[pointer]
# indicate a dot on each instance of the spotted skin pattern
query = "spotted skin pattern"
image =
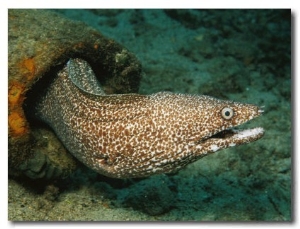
(132, 135)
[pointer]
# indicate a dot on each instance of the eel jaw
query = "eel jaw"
(248, 134)
(231, 137)
(239, 134)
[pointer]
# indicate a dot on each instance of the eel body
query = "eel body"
(133, 135)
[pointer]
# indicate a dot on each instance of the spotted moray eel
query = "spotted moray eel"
(133, 135)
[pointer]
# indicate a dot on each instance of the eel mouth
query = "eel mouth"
(237, 136)
(223, 134)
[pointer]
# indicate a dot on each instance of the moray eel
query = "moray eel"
(133, 135)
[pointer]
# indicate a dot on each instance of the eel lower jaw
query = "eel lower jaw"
(232, 137)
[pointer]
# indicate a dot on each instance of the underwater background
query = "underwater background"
(240, 55)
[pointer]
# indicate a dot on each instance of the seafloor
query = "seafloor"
(241, 55)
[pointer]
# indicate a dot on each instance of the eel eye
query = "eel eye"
(227, 113)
